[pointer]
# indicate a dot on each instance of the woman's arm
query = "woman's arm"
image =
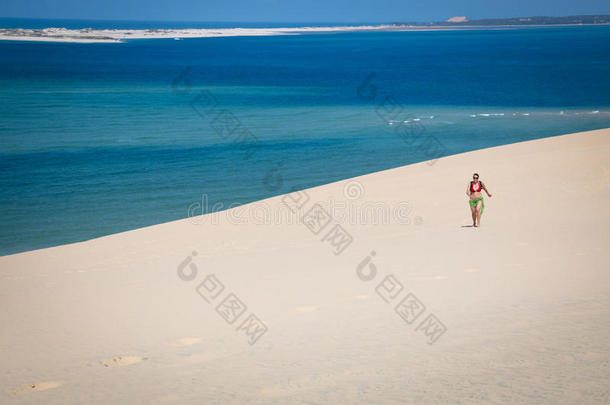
(468, 190)
(485, 188)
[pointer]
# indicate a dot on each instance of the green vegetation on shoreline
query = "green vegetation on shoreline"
(539, 20)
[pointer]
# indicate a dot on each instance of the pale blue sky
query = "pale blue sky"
(296, 11)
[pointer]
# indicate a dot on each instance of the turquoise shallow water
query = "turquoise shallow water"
(101, 138)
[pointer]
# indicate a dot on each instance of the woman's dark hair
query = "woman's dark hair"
(476, 174)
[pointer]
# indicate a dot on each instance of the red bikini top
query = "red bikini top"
(472, 187)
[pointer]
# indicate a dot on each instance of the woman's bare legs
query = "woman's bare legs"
(473, 210)
(478, 211)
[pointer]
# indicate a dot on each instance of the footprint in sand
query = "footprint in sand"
(123, 361)
(187, 341)
(40, 386)
(306, 309)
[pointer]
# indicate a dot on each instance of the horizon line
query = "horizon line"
(287, 21)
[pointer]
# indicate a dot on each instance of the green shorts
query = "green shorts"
(473, 203)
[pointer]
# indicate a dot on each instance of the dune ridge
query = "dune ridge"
(404, 305)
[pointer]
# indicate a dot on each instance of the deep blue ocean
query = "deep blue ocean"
(102, 138)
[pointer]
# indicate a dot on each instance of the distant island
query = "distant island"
(60, 34)
(539, 20)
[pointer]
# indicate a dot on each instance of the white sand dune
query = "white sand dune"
(520, 306)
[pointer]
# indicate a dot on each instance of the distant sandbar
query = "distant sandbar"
(89, 35)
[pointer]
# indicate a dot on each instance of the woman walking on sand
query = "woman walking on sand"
(476, 199)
